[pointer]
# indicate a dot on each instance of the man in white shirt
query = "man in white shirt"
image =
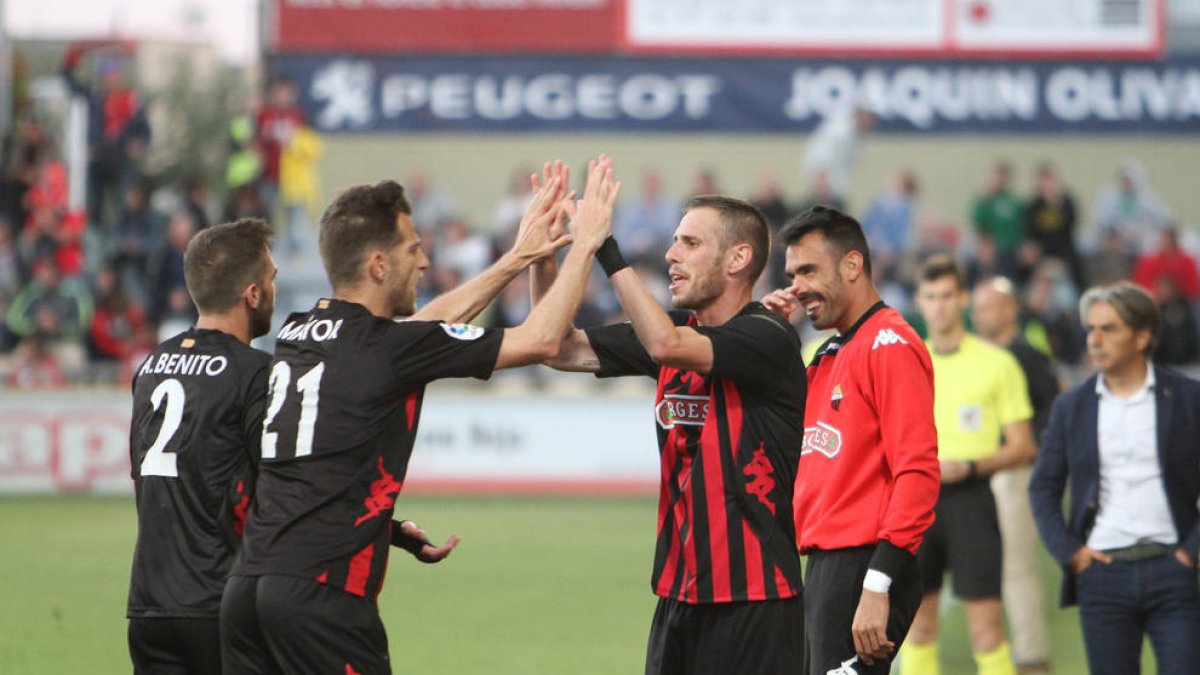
(1127, 443)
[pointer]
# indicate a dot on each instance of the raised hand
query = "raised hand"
(540, 233)
(781, 302)
(591, 217)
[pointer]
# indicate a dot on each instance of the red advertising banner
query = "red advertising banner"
(454, 26)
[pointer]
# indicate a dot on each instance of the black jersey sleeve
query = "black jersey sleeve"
(424, 351)
(619, 351)
(755, 347)
(254, 406)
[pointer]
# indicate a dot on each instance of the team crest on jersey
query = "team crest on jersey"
(835, 401)
(886, 337)
(462, 331)
(681, 409)
(823, 438)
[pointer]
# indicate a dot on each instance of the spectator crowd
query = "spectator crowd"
(86, 293)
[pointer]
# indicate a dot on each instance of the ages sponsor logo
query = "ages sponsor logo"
(463, 331)
(886, 337)
(823, 438)
(681, 409)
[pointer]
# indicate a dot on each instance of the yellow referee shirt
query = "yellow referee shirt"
(977, 390)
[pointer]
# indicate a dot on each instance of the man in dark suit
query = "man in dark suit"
(1127, 443)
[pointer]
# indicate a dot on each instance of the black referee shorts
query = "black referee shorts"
(168, 646)
(964, 540)
(729, 638)
(276, 625)
(833, 587)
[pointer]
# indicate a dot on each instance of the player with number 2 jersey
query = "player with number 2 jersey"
(198, 402)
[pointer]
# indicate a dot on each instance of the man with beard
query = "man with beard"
(346, 388)
(729, 408)
(198, 403)
(868, 474)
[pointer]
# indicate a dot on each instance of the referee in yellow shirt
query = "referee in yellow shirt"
(982, 411)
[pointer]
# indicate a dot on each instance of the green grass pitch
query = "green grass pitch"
(538, 585)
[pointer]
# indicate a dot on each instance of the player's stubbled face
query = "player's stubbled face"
(695, 260)
(261, 321)
(817, 283)
(409, 262)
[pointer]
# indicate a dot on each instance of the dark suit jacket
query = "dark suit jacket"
(1070, 456)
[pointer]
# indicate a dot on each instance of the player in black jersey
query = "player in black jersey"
(346, 388)
(730, 418)
(198, 402)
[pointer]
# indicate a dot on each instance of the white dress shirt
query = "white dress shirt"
(1133, 501)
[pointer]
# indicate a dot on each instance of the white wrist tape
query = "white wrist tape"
(877, 582)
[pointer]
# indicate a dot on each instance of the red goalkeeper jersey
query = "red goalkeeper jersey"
(868, 468)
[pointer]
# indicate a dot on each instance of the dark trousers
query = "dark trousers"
(175, 646)
(832, 588)
(1122, 602)
(764, 637)
(277, 625)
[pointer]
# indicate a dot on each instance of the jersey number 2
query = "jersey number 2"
(157, 462)
(309, 387)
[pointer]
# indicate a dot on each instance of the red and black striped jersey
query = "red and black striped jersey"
(198, 403)
(729, 443)
(869, 471)
(345, 399)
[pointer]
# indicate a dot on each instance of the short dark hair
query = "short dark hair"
(1132, 303)
(942, 265)
(744, 223)
(842, 232)
(362, 218)
(221, 261)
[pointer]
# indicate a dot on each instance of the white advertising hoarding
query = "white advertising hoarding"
(467, 442)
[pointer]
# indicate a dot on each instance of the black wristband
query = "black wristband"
(610, 258)
(401, 539)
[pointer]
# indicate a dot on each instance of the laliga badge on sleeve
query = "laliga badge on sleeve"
(463, 331)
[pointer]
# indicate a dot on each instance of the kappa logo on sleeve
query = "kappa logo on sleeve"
(886, 337)
(463, 331)
(823, 438)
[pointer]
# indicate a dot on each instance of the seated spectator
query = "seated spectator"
(1050, 301)
(1112, 261)
(431, 205)
(1131, 207)
(56, 234)
(245, 201)
(1171, 262)
(1178, 335)
(115, 323)
(768, 197)
(888, 224)
(12, 271)
(461, 250)
(168, 294)
(139, 230)
(1051, 219)
(34, 366)
(820, 193)
(705, 182)
(997, 212)
(645, 224)
(511, 208)
(55, 308)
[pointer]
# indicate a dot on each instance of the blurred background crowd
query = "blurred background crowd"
(86, 291)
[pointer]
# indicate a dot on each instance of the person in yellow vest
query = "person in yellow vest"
(298, 188)
(982, 412)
